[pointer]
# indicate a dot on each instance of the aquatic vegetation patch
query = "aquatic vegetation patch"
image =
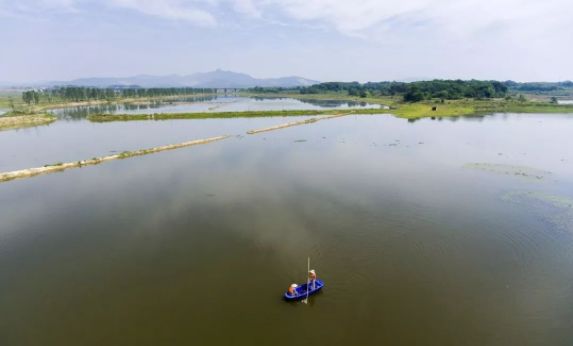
(511, 170)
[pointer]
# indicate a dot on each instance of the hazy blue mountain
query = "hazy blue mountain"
(213, 79)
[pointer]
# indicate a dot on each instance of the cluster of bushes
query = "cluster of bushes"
(539, 87)
(411, 92)
(454, 89)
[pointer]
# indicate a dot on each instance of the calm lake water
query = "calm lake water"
(451, 232)
(211, 104)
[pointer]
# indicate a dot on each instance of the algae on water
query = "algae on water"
(512, 170)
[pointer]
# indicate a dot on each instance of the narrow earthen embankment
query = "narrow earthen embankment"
(297, 123)
(30, 172)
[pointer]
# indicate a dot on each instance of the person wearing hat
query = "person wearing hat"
(292, 290)
(312, 277)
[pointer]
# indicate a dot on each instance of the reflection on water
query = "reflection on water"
(209, 104)
(195, 246)
(66, 141)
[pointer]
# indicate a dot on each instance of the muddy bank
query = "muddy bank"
(61, 166)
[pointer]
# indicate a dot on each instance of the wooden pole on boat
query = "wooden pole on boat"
(307, 279)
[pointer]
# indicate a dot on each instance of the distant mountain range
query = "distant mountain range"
(213, 79)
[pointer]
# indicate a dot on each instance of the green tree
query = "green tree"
(414, 95)
(36, 96)
(27, 97)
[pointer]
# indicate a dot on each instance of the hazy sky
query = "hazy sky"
(320, 39)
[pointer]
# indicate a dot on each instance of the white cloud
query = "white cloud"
(452, 17)
(519, 39)
(170, 9)
(247, 7)
(35, 7)
(361, 17)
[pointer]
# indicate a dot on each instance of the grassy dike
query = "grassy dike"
(208, 115)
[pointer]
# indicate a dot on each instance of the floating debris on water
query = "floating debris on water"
(300, 141)
(519, 171)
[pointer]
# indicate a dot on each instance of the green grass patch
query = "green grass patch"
(15, 121)
(54, 164)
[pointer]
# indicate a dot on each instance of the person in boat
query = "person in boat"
(292, 290)
(312, 278)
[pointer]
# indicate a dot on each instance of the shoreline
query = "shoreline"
(131, 100)
(38, 108)
(398, 108)
(411, 111)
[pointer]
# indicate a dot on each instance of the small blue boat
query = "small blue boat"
(301, 291)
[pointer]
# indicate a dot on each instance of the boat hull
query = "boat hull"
(301, 291)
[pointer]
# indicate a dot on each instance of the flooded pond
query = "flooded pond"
(210, 104)
(436, 232)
